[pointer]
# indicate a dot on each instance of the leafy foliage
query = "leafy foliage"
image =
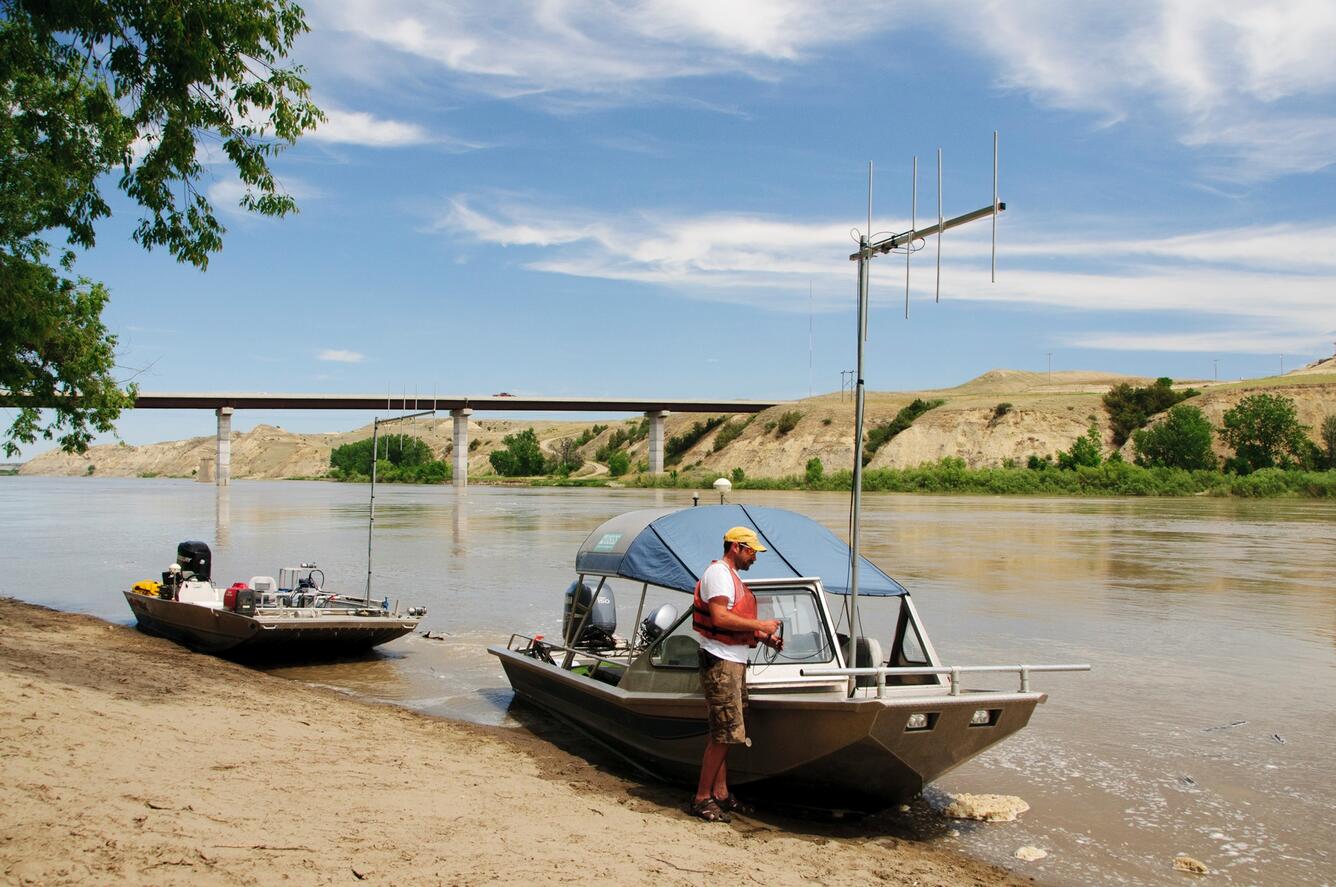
(521, 456)
(680, 443)
(1085, 452)
(1001, 410)
(1264, 432)
(1130, 408)
(55, 351)
(1182, 440)
(567, 459)
(630, 433)
(729, 432)
(1106, 479)
(814, 471)
(880, 436)
(618, 463)
(1329, 441)
(787, 422)
(95, 86)
(400, 458)
(589, 434)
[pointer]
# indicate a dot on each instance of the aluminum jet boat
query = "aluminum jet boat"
(837, 733)
(292, 617)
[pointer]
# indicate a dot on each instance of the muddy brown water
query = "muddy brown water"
(1207, 727)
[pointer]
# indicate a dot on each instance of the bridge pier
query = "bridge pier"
(224, 445)
(461, 469)
(656, 418)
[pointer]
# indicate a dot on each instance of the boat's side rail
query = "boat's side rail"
(538, 648)
(955, 671)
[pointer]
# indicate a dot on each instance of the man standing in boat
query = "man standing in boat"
(725, 619)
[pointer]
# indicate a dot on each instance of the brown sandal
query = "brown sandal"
(710, 811)
(734, 804)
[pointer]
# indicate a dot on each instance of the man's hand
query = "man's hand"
(768, 626)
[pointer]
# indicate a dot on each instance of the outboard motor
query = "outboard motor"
(599, 624)
(196, 560)
(656, 623)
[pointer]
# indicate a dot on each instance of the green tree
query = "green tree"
(1130, 408)
(567, 459)
(1329, 441)
(521, 456)
(1086, 451)
(94, 86)
(618, 463)
(394, 449)
(1182, 440)
(1264, 432)
(815, 471)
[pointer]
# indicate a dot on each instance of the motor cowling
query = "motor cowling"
(195, 560)
(598, 613)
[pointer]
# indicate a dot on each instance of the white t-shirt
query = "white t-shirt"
(715, 582)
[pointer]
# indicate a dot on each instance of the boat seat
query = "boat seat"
(196, 592)
(681, 649)
(867, 654)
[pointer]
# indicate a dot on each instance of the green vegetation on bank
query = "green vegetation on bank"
(1110, 478)
(401, 458)
(1130, 408)
(882, 434)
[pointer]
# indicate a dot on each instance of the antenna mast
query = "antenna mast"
(867, 250)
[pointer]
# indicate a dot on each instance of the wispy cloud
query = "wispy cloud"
(360, 128)
(1257, 287)
(335, 355)
(594, 46)
(1253, 83)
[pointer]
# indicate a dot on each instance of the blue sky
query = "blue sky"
(656, 198)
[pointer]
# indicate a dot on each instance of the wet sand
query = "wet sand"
(128, 759)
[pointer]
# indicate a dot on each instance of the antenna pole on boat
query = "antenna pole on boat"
(376, 422)
(867, 249)
(864, 259)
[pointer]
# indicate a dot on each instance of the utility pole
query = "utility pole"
(1215, 365)
(1050, 366)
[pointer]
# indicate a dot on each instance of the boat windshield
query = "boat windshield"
(806, 635)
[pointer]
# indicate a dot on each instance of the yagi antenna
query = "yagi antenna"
(937, 297)
(913, 223)
(868, 249)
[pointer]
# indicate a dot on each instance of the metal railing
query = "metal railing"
(543, 649)
(954, 671)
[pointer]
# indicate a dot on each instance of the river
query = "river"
(1205, 727)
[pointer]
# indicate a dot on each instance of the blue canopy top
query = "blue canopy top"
(672, 547)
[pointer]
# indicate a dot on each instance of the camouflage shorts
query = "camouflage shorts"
(725, 686)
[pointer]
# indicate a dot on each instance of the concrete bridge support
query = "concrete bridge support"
(656, 418)
(461, 469)
(224, 445)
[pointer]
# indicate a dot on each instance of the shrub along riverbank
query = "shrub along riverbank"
(1106, 479)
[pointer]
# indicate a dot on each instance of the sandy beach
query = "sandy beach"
(128, 759)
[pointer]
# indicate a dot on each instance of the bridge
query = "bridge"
(460, 408)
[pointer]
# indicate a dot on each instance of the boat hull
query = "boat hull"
(220, 631)
(817, 749)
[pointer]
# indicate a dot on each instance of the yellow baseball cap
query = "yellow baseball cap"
(746, 536)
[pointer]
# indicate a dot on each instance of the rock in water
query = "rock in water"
(989, 808)
(1030, 854)
(1188, 864)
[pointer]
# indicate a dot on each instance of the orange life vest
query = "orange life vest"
(744, 605)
